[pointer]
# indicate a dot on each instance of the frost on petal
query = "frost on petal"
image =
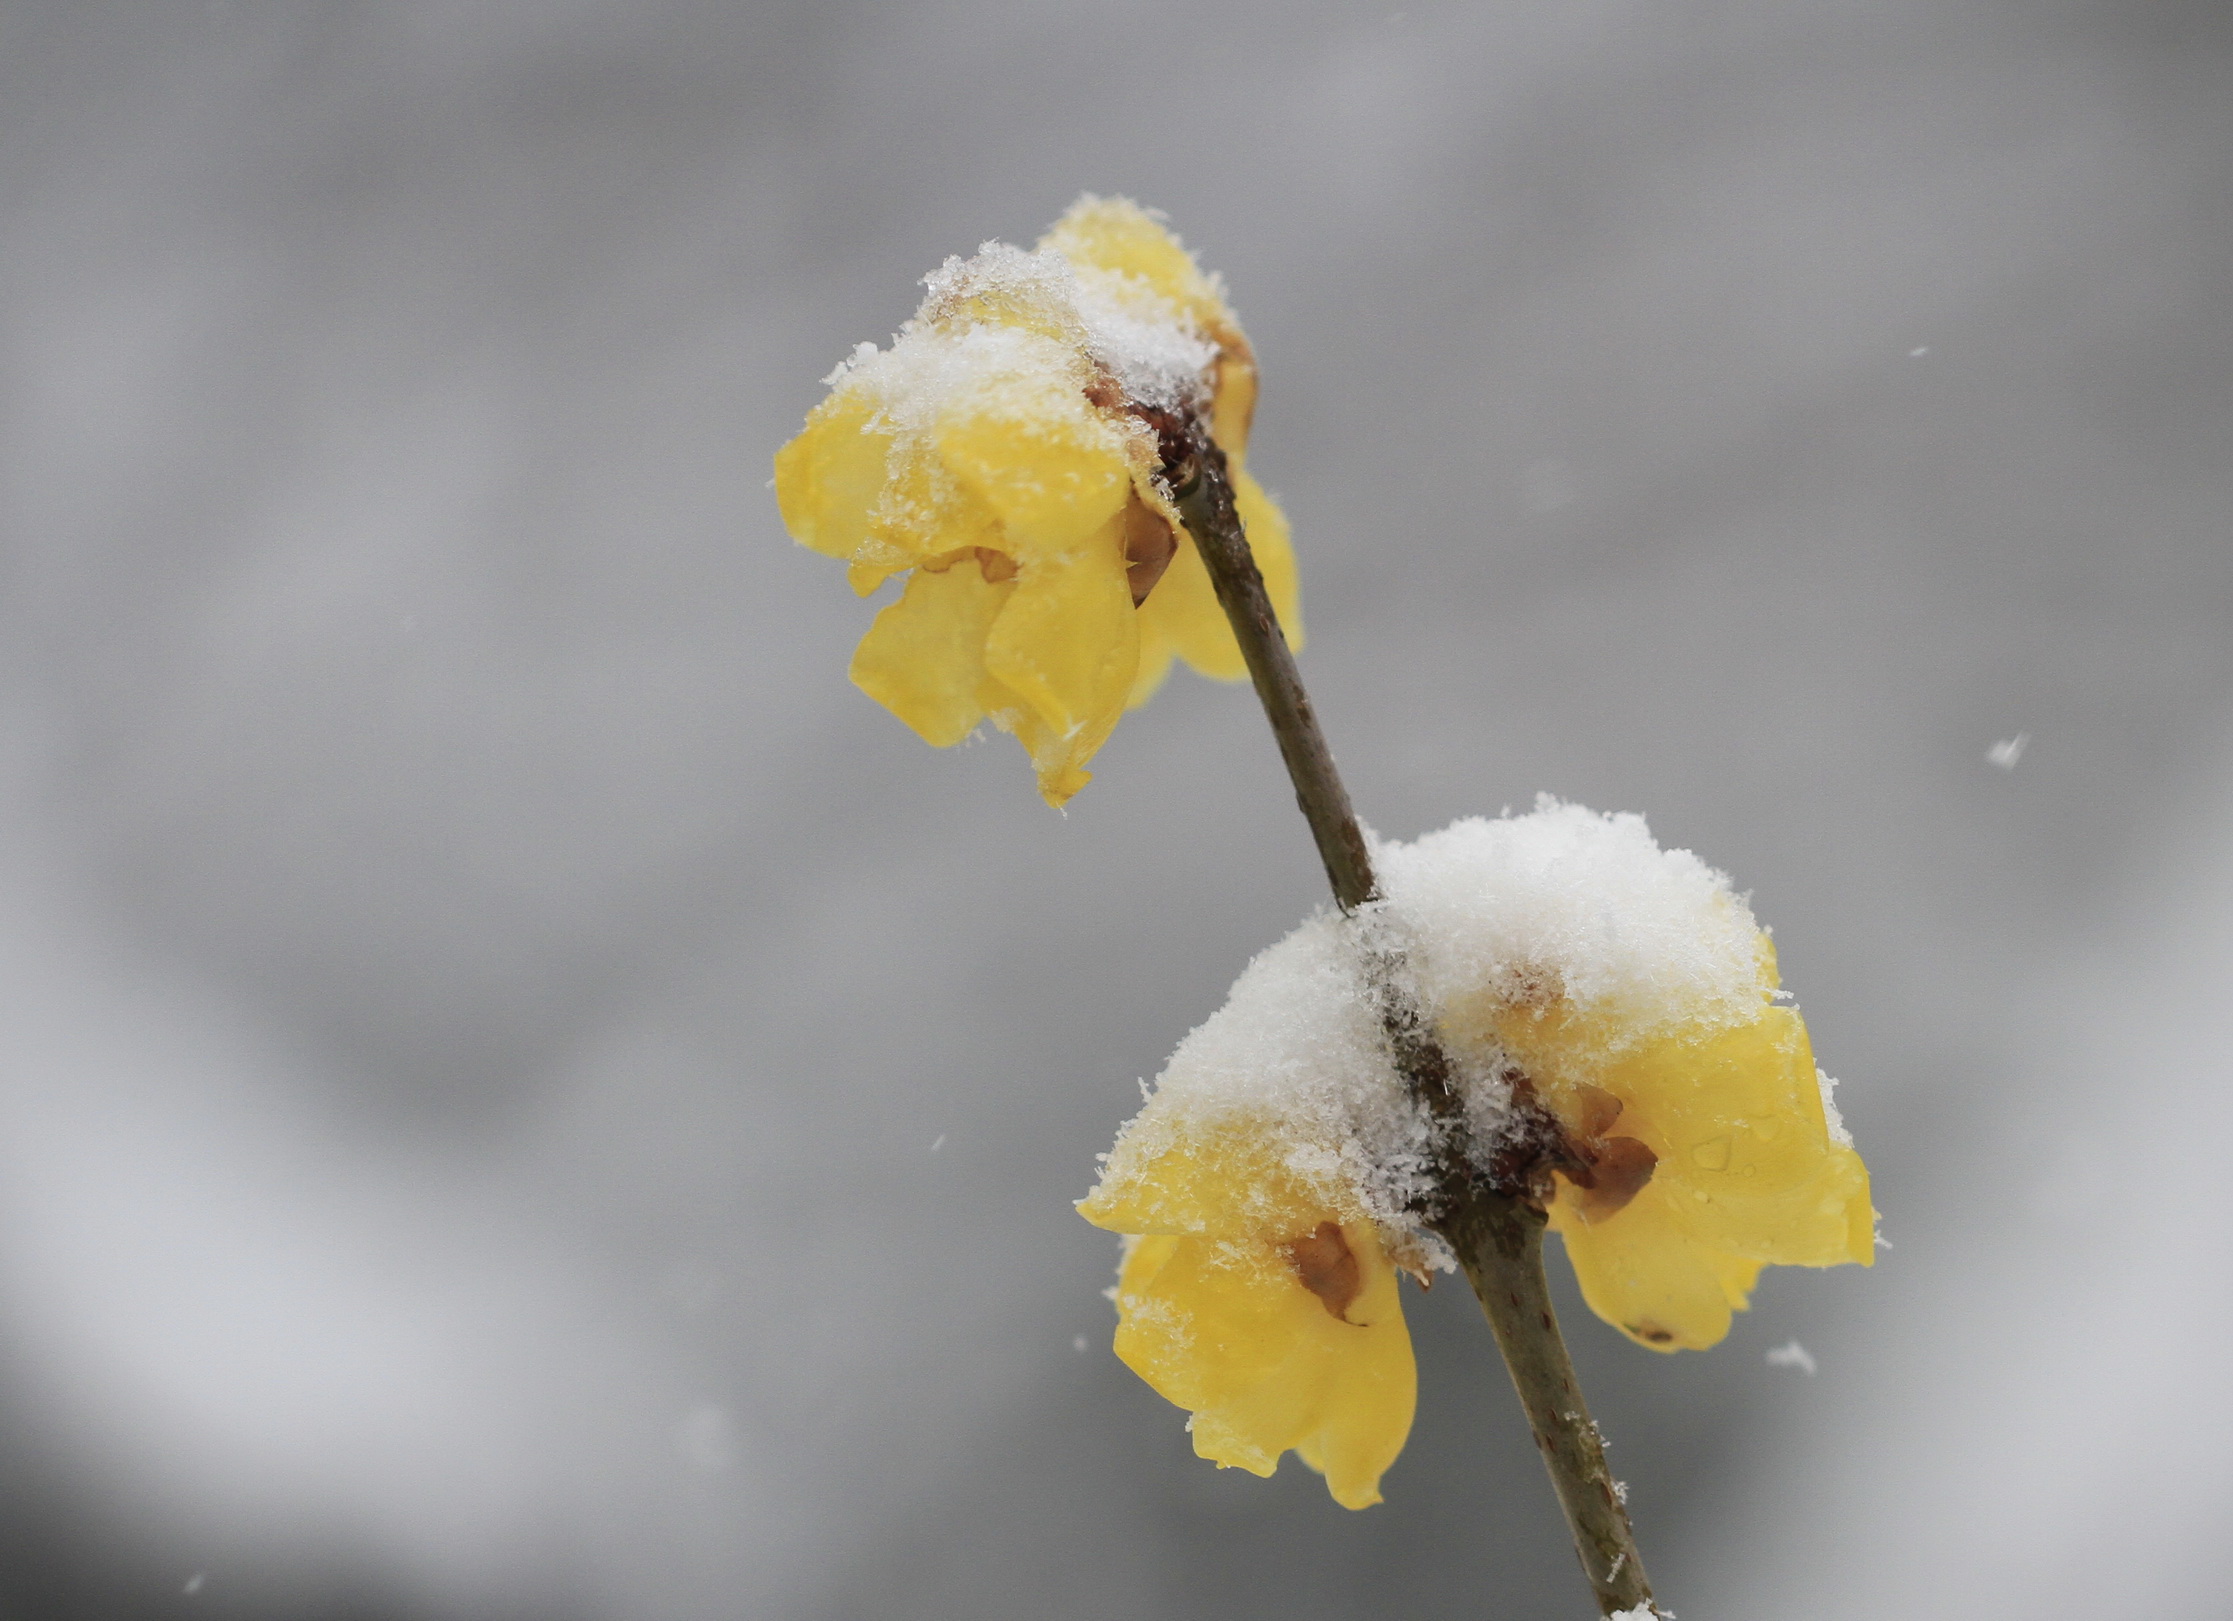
(1113, 239)
(829, 480)
(1830, 1115)
(1047, 467)
(1286, 1086)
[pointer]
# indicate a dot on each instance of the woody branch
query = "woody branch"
(1494, 1221)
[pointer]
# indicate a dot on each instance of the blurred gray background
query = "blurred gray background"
(522, 1095)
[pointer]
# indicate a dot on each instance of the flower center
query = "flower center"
(1606, 1171)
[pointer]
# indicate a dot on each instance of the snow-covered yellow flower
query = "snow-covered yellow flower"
(1000, 455)
(1275, 1183)
(1630, 990)
(1264, 1303)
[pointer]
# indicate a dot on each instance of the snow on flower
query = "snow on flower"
(1000, 455)
(1569, 963)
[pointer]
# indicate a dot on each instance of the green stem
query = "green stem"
(1497, 1233)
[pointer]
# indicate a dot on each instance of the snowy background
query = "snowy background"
(522, 1095)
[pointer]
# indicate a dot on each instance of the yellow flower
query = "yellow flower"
(998, 456)
(1273, 1185)
(1710, 1152)
(1263, 1302)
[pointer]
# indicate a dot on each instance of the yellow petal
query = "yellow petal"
(1066, 647)
(1156, 653)
(924, 514)
(1647, 1277)
(1746, 1162)
(1050, 470)
(1233, 403)
(1860, 1214)
(924, 657)
(1227, 1330)
(829, 479)
(1736, 1275)
(1181, 616)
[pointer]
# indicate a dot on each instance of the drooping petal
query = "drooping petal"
(1065, 648)
(1643, 1274)
(1227, 1329)
(1746, 1171)
(1175, 615)
(924, 657)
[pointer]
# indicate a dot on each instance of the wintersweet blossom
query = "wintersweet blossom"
(1570, 961)
(1264, 1302)
(1000, 455)
(1608, 1005)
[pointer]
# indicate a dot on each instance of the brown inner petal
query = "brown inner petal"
(995, 566)
(1149, 547)
(1618, 1171)
(1599, 1110)
(1328, 1267)
(1607, 1171)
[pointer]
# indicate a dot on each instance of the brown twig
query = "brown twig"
(1493, 1221)
(1204, 494)
(1499, 1242)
